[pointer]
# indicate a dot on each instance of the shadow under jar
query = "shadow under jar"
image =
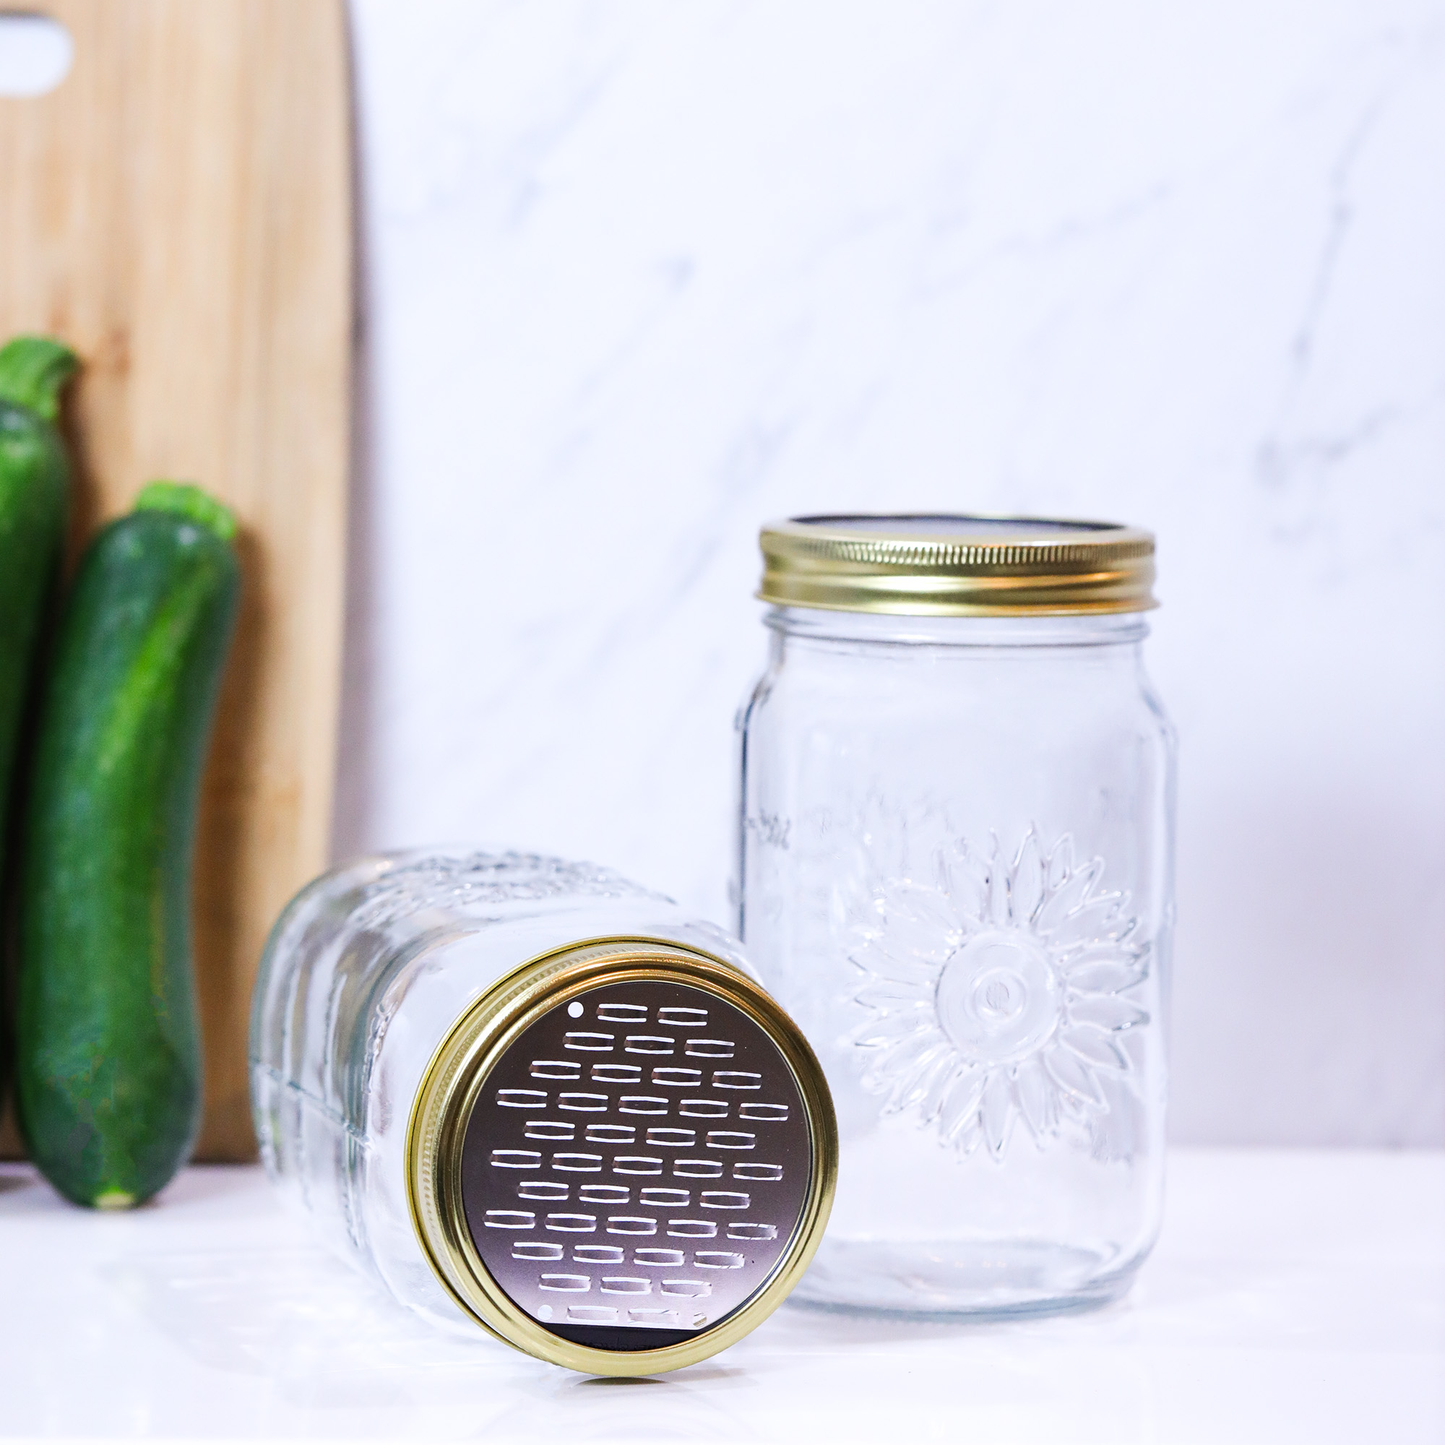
(955, 870)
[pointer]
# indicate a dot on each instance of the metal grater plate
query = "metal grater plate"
(636, 1164)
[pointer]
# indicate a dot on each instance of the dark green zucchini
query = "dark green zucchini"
(34, 494)
(108, 1060)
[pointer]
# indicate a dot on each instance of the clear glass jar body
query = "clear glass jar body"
(955, 859)
(365, 973)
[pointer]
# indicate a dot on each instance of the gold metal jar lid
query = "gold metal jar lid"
(957, 566)
(621, 1157)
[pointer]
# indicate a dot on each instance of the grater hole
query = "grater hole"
(671, 1077)
(582, 1103)
(511, 1219)
(616, 1074)
(610, 1133)
(641, 1104)
(550, 1129)
(764, 1113)
(704, 1108)
(717, 1259)
(770, 1173)
(710, 1048)
(730, 1139)
(621, 1013)
(577, 1163)
(572, 1223)
(603, 1193)
(636, 1164)
(683, 1018)
(588, 1042)
(625, 1284)
(596, 1253)
(672, 1138)
(521, 1098)
(724, 1199)
(697, 1168)
(692, 1228)
(685, 1288)
(536, 1249)
(542, 1189)
(649, 1044)
(740, 1230)
(555, 1069)
(659, 1258)
(631, 1224)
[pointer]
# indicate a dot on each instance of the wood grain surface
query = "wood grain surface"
(179, 210)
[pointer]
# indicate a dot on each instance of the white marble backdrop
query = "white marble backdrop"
(640, 275)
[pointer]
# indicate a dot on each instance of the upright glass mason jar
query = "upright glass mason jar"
(955, 858)
(528, 1095)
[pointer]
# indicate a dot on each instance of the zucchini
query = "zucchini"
(108, 1059)
(34, 494)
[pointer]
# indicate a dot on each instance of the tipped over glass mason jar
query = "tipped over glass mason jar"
(527, 1095)
(955, 859)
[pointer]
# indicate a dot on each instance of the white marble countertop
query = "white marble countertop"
(1294, 1296)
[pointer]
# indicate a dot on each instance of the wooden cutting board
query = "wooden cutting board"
(179, 210)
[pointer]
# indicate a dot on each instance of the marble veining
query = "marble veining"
(640, 276)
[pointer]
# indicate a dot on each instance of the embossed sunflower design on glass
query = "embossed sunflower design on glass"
(998, 991)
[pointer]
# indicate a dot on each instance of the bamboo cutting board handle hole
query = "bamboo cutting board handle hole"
(35, 53)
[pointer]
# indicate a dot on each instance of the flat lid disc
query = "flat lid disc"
(636, 1164)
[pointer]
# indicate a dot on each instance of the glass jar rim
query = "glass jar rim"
(951, 632)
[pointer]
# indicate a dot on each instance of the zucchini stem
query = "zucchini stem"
(189, 501)
(32, 371)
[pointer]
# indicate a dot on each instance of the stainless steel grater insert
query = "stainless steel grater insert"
(636, 1164)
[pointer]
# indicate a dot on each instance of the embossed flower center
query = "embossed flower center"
(998, 998)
